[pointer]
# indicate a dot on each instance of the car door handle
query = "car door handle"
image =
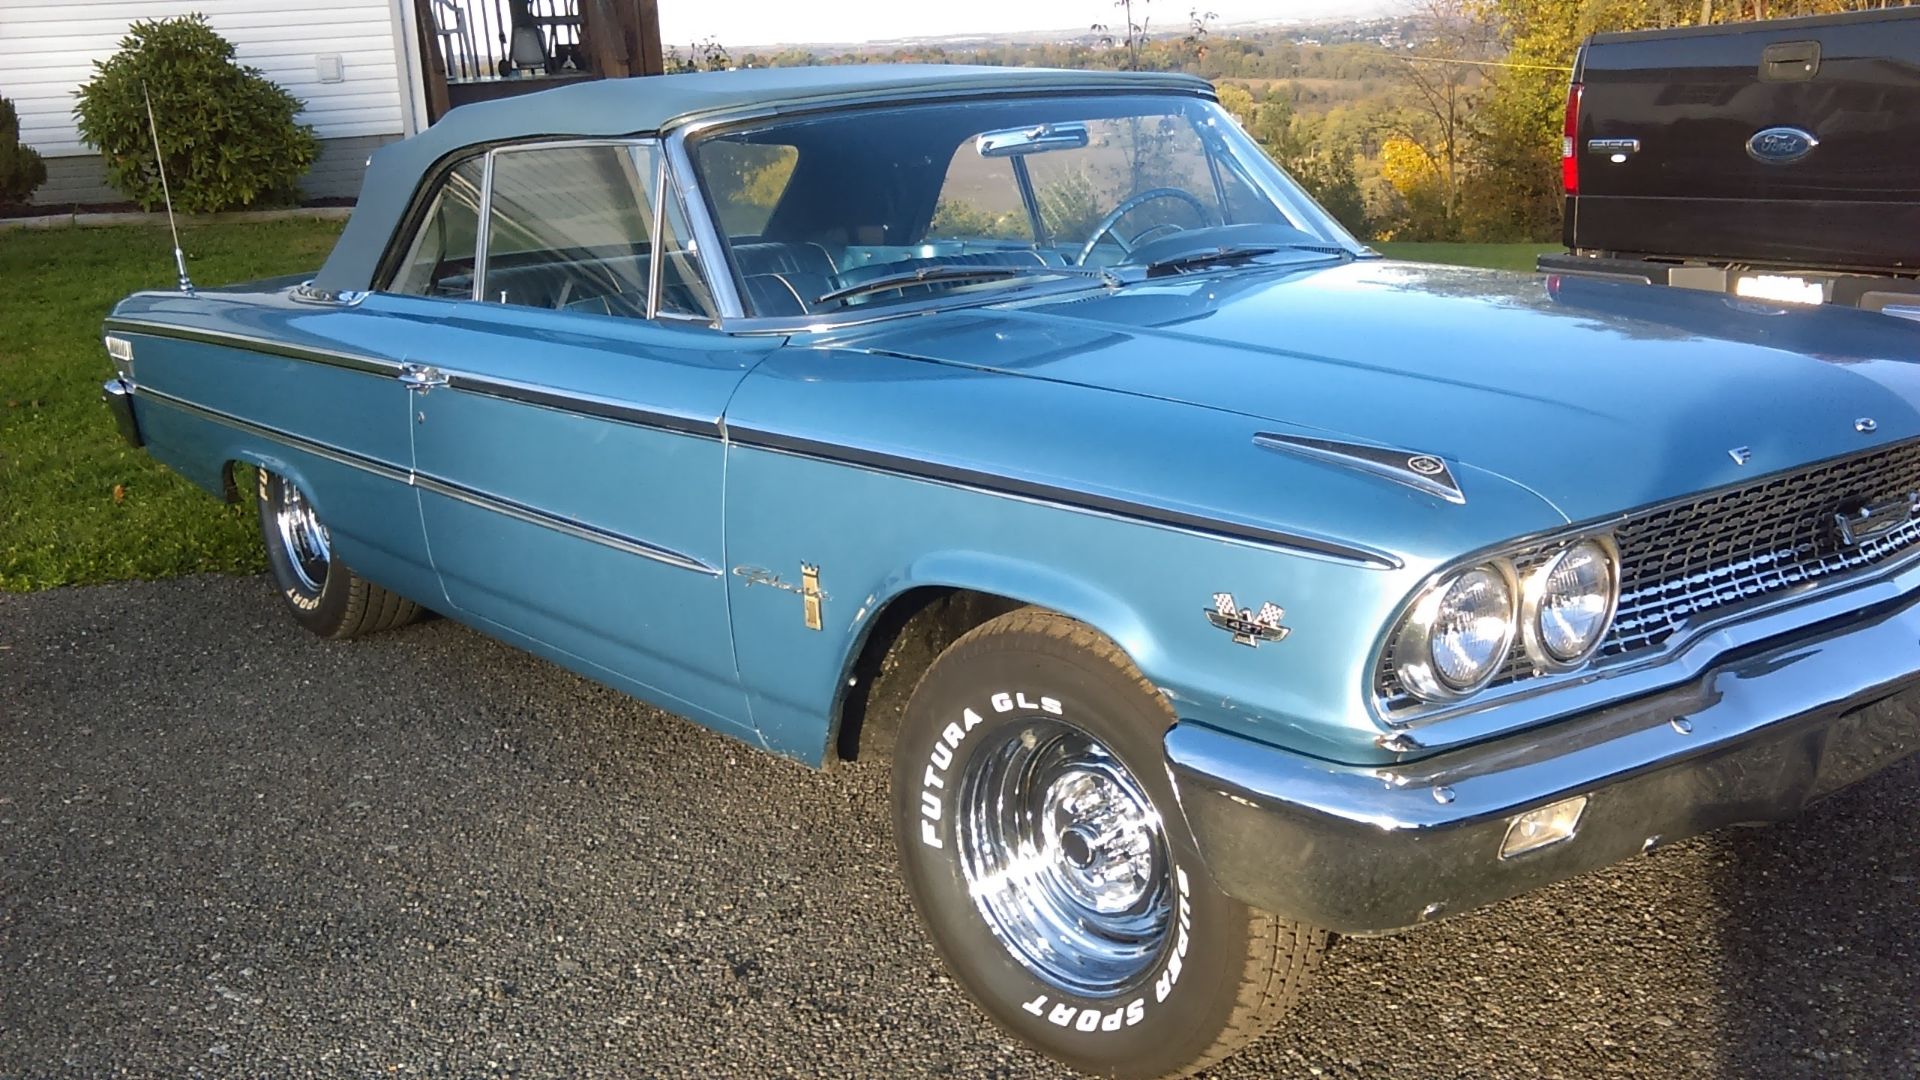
(421, 377)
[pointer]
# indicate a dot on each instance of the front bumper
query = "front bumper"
(118, 394)
(1359, 849)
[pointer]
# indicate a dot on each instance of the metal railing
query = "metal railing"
(481, 40)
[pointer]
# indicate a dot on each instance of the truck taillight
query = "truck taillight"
(1569, 139)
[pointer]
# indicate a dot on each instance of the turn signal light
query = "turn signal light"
(1544, 827)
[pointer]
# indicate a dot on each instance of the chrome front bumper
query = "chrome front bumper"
(1360, 849)
(118, 394)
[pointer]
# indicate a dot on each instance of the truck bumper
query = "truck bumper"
(1364, 850)
(118, 394)
(1898, 296)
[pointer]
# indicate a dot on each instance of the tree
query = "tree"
(1442, 78)
(227, 133)
(21, 169)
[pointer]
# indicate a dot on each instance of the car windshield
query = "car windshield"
(880, 206)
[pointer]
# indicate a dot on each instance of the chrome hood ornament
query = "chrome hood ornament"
(1422, 472)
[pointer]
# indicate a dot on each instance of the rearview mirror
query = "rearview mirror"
(1009, 142)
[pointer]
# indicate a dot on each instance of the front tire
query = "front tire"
(320, 592)
(1042, 844)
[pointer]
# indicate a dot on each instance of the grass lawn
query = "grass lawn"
(1492, 256)
(77, 504)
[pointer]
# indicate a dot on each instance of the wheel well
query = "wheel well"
(231, 489)
(907, 634)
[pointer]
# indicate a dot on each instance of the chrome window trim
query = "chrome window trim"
(485, 230)
(654, 258)
(710, 248)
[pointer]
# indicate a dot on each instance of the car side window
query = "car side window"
(440, 260)
(683, 289)
(568, 229)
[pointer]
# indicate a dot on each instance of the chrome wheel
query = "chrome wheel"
(1065, 857)
(301, 535)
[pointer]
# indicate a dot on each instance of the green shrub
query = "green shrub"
(21, 169)
(227, 132)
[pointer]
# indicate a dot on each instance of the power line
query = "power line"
(1487, 63)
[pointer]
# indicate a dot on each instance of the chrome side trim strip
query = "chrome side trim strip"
(579, 530)
(333, 453)
(584, 404)
(329, 357)
(1086, 502)
(576, 529)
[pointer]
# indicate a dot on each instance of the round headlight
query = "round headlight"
(1471, 629)
(1457, 637)
(1570, 603)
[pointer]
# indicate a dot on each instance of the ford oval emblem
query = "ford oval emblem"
(1781, 145)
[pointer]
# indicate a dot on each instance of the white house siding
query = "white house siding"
(47, 49)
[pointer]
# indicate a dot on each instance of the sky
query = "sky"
(796, 22)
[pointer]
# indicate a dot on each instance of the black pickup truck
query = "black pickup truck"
(1778, 160)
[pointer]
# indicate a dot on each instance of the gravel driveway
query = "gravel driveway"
(229, 849)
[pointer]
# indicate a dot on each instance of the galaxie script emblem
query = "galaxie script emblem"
(1247, 626)
(1781, 145)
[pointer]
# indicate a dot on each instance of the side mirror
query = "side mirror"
(1011, 142)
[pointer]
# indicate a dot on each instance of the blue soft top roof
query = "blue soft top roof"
(615, 107)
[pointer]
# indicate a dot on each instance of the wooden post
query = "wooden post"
(645, 40)
(606, 38)
(432, 63)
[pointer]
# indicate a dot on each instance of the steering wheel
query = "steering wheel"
(1127, 206)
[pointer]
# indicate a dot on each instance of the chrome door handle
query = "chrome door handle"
(422, 377)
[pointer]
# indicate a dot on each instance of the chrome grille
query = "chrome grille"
(1682, 559)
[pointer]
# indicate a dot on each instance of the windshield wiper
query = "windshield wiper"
(1215, 256)
(1230, 253)
(928, 274)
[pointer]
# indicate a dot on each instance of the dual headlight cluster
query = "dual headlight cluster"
(1464, 627)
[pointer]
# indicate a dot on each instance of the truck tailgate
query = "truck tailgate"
(1705, 182)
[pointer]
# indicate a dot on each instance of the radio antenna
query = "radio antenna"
(179, 258)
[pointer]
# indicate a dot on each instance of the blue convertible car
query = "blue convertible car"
(1214, 583)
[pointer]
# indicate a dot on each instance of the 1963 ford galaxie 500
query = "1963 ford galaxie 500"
(1240, 586)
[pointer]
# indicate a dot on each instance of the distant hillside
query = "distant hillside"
(1326, 61)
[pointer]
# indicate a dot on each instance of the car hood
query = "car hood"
(1596, 396)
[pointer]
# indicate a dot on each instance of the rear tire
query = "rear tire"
(320, 592)
(1043, 846)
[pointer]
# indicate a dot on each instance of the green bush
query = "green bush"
(227, 132)
(21, 169)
